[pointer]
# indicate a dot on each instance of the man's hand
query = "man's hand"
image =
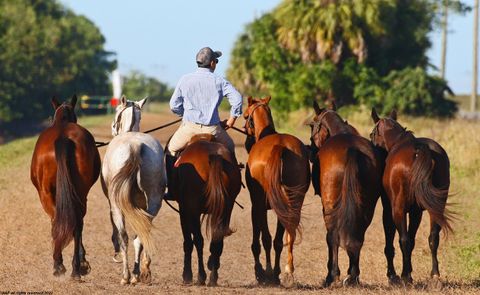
(228, 123)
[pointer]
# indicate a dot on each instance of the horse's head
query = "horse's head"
(64, 112)
(257, 115)
(127, 116)
(386, 131)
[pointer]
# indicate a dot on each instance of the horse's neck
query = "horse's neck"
(265, 130)
(394, 139)
(337, 126)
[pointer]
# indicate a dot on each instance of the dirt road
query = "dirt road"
(25, 245)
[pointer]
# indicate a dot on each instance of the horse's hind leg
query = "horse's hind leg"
(278, 246)
(289, 269)
(138, 248)
(333, 275)
(84, 265)
(433, 241)
(198, 241)
(115, 241)
(257, 214)
(123, 239)
(76, 261)
(353, 252)
(216, 249)
(389, 229)
(187, 246)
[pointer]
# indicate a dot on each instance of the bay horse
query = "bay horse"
(65, 165)
(206, 180)
(134, 181)
(277, 176)
(416, 178)
(346, 173)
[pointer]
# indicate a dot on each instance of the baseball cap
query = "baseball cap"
(206, 55)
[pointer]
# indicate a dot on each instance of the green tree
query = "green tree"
(138, 85)
(45, 50)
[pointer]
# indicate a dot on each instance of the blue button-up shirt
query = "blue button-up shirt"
(198, 95)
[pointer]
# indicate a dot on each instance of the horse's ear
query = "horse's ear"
(332, 106)
(317, 108)
(123, 101)
(73, 101)
(55, 103)
(375, 116)
(142, 102)
(393, 114)
(267, 99)
(250, 101)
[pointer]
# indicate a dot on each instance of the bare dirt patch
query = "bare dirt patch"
(25, 246)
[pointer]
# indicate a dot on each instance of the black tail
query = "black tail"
(347, 207)
(429, 197)
(69, 208)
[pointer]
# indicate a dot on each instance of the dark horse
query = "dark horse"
(278, 176)
(206, 180)
(416, 178)
(65, 165)
(347, 175)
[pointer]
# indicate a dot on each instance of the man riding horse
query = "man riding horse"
(197, 98)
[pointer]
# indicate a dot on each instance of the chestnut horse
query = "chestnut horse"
(134, 181)
(416, 178)
(65, 165)
(278, 176)
(347, 175)
(206, 180)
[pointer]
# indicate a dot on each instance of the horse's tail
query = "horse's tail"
(124, 187)
(285, 201)
(346, 210)
(69, 208)
(429, 197)
(216, 191)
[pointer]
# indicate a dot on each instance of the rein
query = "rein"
(100, 144)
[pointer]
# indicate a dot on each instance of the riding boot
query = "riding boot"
(169, 166)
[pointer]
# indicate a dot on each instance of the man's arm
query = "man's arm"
(235, 100)
(176, 102)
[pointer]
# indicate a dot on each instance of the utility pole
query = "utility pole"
(473, 102)
(444, 38)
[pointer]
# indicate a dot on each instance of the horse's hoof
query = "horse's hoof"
(59, 270)
(124, 281)
(76, 277)
(350, 281)
(260, 274)
(288, 280)
(407, 281)
(212, 283)
(332, 283)
(134, 280)
(85, 268)
(117, 258)
(394, 281)
(146, 277)
(435, 284)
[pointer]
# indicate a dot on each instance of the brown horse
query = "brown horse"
(278, 176)
(416, 178)
(347, 175)
(65, 165)
(206, 180)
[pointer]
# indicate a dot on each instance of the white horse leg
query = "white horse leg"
(136, 268)
(119, 221)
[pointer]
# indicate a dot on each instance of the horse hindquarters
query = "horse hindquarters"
(69, 210)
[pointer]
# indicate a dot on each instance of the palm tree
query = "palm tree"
(475, 59)
(329, 28)
(444, 38)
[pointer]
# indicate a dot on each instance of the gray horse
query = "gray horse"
(134, 181)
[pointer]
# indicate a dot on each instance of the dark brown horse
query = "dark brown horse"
(278, 176)
(416, 178)
(65, 165)
(206, 180)
(347, 175)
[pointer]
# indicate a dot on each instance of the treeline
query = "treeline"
(353, 52)
(46, 49)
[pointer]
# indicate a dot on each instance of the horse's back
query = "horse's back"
(295, 164)
(119, 152)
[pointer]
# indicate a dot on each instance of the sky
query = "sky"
(161, 38)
